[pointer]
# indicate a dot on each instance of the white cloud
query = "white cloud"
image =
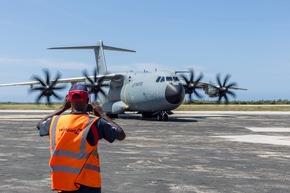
(44, 63)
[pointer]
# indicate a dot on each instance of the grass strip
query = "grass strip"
(194, 107)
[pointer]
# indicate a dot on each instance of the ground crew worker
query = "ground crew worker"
(74, 162)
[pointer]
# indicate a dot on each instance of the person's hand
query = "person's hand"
(66, 103)
(98, 111)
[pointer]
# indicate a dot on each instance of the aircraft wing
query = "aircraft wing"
(116, 77)
(206, 84)
(31, 83)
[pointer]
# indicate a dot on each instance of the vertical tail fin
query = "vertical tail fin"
(100, 58)
(99, 54)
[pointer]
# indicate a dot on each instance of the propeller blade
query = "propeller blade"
(102, 92)
(223, 88)
(47, 87)
(59, 87)
(232, 93)
(199, 78)
(47, 76)
(55, 95)
(226, 79)
(36, 78)
(95, 75)
(48, 100)
(36, 89)
(94, 84)
(190, 98)
(226, 98)
(185, 78)
(218, 80)
(56, 79)
(87, 77)
(191, 84)
(232, 84)
(197, 94)
(39, 97)
(191, 75)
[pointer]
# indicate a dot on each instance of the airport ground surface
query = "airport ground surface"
(191, 152)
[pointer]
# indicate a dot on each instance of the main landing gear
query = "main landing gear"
(160, 116)
(163, 116)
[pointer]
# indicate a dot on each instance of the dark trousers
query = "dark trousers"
(85, 189)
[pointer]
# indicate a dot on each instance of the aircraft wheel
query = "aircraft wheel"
(146, 115)
(165, 117)
(159, 117)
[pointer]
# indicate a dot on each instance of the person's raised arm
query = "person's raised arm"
(98, 111)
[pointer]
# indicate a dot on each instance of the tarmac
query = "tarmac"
(203, 152)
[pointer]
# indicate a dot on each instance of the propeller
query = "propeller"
(191, 84)
(47, 87)
(94, 84)
(223, 88)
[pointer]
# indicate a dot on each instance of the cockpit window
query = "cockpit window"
(175, 78)
(158, 78)
(169, 78)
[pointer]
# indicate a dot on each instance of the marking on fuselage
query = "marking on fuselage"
(137, 84)
(125, 93)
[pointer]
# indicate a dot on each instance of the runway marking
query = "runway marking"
(260, 139)
(269, 129)
(274, 155)
(5, 119)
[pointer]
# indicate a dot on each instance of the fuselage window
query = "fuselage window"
(162, 79)
(158, 78)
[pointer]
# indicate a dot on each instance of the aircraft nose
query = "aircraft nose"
(174, 94)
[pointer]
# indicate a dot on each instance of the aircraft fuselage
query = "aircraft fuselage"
(147, 91)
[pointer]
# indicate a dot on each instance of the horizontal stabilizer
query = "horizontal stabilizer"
(93, 47)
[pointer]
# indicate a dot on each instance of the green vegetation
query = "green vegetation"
(259, 102)
(28, 106)
(230, 107)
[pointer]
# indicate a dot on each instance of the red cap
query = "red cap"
(80, 90)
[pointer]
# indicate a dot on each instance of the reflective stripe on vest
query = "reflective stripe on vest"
(74, 170)
(81, 154)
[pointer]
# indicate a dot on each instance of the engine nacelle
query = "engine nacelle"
(115, 107)
(211, 91)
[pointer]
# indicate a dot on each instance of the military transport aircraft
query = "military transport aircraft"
(152, 94)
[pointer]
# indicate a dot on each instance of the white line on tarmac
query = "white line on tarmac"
(261, 139)
(269, 129)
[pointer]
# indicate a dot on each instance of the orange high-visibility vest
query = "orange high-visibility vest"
(73, 161)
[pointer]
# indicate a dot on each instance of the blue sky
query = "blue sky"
(249, 39)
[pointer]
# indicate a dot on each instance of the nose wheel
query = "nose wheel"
(162, 116)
